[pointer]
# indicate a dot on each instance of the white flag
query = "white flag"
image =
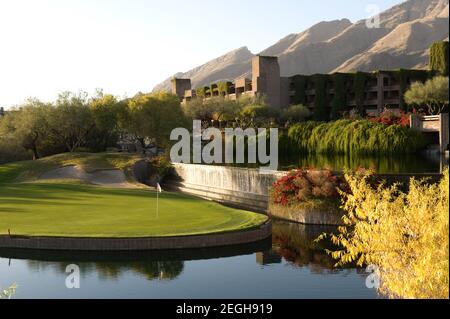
(158, 188)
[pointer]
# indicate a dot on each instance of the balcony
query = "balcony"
(392, 88)
(392, 101)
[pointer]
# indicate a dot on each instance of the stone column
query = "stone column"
(414, 121)
(266, 79)
(443, 132)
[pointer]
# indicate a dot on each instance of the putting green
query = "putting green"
(76, 210)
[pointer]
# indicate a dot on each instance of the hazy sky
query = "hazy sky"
(126, 46)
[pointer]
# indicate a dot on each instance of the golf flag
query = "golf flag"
(158, 190)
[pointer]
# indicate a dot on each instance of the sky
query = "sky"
(129, 46)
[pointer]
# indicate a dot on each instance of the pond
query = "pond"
(290, 265)
(386, 164)
(380, 164)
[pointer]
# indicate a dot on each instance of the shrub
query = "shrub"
(303, 186)
(12, 151)
(404, 234)
(295, 113)
(355, 137)
(259, 114)
(258, 111)
(161, 166)
(389, 117)
(299, 134)
(433, 94)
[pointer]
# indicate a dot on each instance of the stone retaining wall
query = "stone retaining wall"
(321, 217)
(139, 244)
(240, 187)
(435, 123)
(249, 188)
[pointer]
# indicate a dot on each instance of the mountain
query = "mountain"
(226, 67)
(319, 32)
(407, 45)
(402, 40)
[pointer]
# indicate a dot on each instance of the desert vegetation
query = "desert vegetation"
(244, 112)
(77, 122)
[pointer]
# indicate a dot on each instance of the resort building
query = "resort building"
(367, 92)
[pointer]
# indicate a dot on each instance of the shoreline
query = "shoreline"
(248, 236)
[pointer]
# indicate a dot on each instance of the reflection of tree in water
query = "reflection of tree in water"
(381, 164)
(151, 270)
(295, 243)
(161, 270)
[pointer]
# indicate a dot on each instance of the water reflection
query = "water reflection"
(289, 265)
(296, 244)
(291, 243)
(381, 164)
(149, 270)
(385, 164)
(150, 265)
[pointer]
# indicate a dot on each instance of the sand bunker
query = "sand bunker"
(110, 178)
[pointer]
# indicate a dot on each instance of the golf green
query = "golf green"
(72, 209)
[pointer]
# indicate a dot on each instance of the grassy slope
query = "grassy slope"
(73, 209)
(31, 170)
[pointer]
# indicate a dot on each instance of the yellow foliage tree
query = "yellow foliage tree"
(406, 235)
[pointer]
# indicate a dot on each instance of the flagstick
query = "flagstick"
(158, 190)
(157, 204)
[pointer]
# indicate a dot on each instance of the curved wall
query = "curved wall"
(128, 244)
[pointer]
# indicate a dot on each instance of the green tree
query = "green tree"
(71, 121)
(223, 109)
(259, 114)
(295, 113)
(216, 108)
(27, 126)
(105, 110)
(198, 109)
(153, 116)
(433, 94)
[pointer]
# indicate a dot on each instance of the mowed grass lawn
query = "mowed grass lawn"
(80, 210)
